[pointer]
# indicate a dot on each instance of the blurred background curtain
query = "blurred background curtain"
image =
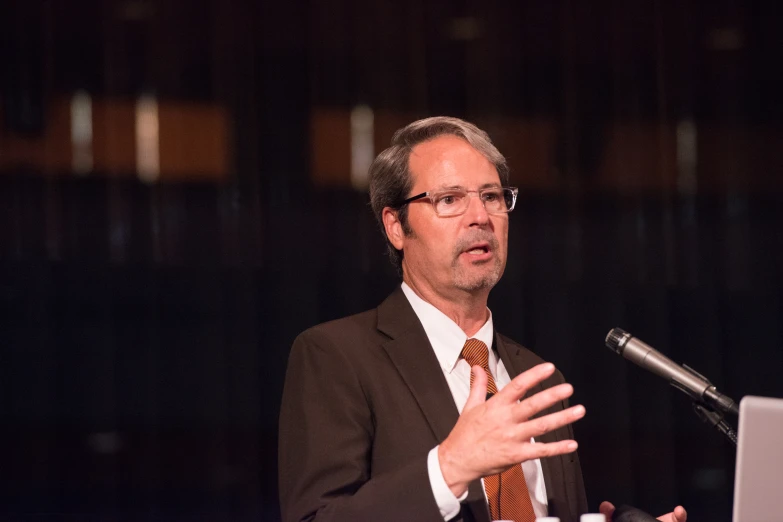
(183, 191)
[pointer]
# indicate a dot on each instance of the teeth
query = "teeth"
(476, 251)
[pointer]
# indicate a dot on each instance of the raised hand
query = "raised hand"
(492, 435)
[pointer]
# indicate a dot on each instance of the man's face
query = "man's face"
(465, 252)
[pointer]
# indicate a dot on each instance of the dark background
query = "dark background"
(145, 326)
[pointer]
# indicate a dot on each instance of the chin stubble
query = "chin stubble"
(466, 281)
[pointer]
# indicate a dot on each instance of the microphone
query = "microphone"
(680, 376)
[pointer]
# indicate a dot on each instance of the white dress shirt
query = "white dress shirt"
(447, 340)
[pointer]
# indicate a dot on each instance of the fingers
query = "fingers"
(540, 401)
(541, 450)
(478, 390)
(543, 400)
(547, 423)
(520, 384)
(607, 510)
(680, 515)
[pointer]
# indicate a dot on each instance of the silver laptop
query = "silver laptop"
(758, 483)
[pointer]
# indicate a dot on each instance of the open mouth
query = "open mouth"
(478, 249)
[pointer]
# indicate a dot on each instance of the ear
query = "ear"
(393, 227)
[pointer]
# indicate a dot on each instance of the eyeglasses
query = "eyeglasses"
(453, 202)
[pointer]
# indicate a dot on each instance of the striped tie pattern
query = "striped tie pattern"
(506, 492)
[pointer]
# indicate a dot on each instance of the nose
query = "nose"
(476, 212)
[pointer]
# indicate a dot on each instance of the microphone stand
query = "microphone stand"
(716, 420)
(710, 415)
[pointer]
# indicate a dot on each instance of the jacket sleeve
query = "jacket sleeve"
(325, 446)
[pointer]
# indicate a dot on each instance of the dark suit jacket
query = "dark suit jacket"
(365, 400)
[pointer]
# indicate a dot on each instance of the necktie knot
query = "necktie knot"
(476, 353)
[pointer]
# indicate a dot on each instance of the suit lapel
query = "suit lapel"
(411, 353)
(516, 361)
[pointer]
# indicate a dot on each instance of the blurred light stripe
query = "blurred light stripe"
(81, 132)
(147, 139)
(362, 149)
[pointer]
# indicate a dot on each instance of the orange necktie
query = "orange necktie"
(507, 492)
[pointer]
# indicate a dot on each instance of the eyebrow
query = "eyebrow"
(461, 187)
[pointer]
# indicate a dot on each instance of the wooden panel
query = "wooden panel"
(529, 148)
(387, 123)
(638, 157)
(331, 147)
(114, 136)
(193, 141)
(49, 152)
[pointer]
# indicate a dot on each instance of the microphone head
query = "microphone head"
(616, 339)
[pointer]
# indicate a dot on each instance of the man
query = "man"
(419, 410)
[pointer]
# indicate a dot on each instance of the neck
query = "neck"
(467, 309)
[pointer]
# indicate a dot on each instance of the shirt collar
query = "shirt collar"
(445, 336)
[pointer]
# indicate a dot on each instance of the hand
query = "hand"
(678, 515)
(492, 435)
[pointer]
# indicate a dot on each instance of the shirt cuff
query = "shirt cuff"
(447, 503)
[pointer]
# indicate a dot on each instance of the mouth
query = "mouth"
(480, 250)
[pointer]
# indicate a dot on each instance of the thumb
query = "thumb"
(478, 389)
(607, 509)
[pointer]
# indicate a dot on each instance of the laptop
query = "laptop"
(758, 482)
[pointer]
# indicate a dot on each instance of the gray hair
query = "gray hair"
(390, 177)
